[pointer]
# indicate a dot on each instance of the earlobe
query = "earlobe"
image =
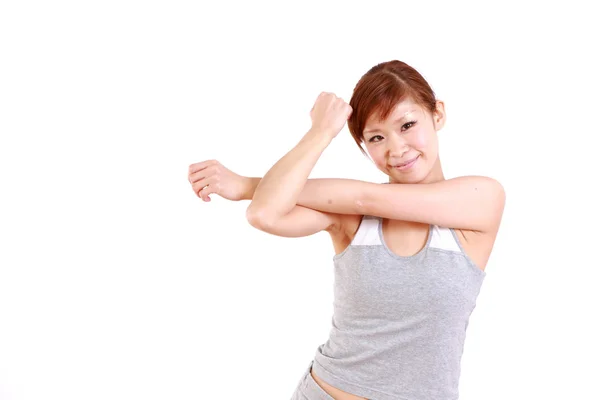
(439, 124)
(440, 116)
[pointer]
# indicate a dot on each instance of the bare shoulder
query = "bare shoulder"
(479, 244)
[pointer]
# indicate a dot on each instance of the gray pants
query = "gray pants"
(309, 389)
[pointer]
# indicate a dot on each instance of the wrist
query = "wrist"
(318, 136)
(250, 184)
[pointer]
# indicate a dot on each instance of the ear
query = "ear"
(439, 116)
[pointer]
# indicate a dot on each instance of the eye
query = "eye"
(373, 138)
(411, 123)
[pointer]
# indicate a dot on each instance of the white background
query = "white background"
(117, 282)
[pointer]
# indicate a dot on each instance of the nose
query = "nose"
(397, 146)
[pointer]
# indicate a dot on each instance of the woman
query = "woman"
(410, 255)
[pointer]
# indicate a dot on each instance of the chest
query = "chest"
(370, 283)
(400, 269)
(406, 239)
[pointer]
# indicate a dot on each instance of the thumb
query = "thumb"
(204, 193)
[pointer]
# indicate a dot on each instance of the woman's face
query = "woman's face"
(405, 145)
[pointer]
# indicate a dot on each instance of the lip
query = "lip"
(408, 165)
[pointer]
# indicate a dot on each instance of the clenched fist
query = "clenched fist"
(211, 176)
(329, 114)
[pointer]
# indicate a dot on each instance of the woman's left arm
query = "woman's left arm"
(467, 202)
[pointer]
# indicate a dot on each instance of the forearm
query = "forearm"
(276, 194)
(335, 195)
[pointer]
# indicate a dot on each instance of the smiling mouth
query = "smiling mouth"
(406, 163)
(400, 166)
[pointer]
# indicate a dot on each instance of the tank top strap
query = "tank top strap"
(445, 239)
(368, 232)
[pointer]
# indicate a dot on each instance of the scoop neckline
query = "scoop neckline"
(397, 256)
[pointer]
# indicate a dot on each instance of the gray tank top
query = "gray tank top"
(399, 323)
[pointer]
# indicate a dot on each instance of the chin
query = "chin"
(414, 176)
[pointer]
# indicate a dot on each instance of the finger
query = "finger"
(200, 166)
(205, 172)
(204, 192)
(204, 187)
(198, 186)
(197, 176)
(212, 187)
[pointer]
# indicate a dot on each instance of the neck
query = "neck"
(436, 174)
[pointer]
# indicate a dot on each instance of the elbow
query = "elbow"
(257, 218)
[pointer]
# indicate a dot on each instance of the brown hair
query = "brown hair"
(381, 89)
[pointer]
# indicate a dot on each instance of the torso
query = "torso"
(405, 239)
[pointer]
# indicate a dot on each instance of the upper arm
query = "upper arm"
(469, 202)
(301, 221)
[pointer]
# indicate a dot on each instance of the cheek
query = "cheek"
(378, 157)
(420, 140)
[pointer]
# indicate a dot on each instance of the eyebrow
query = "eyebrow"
(395, 122)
